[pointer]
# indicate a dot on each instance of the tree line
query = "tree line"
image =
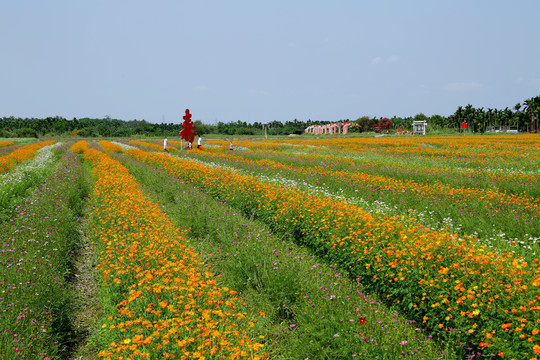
(523, 117)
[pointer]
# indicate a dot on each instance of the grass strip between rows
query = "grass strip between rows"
(36, 248)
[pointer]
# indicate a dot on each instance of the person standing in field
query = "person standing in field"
(165, 144)
(230, 146)
(199, 143)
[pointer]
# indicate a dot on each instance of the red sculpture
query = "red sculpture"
(188, 132)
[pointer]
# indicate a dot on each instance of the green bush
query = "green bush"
(26, 132)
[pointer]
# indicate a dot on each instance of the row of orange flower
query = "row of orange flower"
(21, 154)
(477, 148)
(80, 147)
(6, 143)
(111, 147)
(163, 301)
(469, 150)
(151, 145)
(460, 290)
(494, 176)
(520, 206)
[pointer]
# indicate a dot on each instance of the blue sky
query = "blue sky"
(265, 60)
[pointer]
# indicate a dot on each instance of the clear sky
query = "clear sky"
(258, 60)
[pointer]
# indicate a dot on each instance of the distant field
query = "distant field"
(441, 232)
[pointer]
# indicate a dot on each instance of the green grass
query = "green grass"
(35, 262)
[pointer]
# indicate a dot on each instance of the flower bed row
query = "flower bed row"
(151, 145)
(461, 292)
(35, 252)
(6, 143)
(485, 211)
(79, 147)
(110, 146)
(522, 205)
(518, 151)
(162, 301)
(474, 150)
(490, 177)
(21, 154)
(15, 185)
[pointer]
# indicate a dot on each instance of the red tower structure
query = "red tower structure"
(188, 132)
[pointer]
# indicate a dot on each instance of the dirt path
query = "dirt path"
(86, 298)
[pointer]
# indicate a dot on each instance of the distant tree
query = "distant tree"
(123, 132)
(532, 108)
(88, 132)
(420, 117)
(6, 133)
(384, 124)
(26, 132)
(275, 124)
(437, 121)
(244, 130)
(366, 124)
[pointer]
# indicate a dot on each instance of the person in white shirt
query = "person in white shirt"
(199, 143)
(165, 144)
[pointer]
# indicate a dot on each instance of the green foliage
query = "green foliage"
(6, 134)
(203, 129)
(519, 116)
(244, 131)
(366, 124)
(26, 132)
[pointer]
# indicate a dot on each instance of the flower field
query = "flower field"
(6, 143)
(466, 289)
(21, 154)
(151, 145)
(298, 248)
(485, 202)
(302, 300)
(110, 146)
(163, 302)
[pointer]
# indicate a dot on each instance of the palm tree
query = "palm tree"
(532, 107)
(459, 116)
